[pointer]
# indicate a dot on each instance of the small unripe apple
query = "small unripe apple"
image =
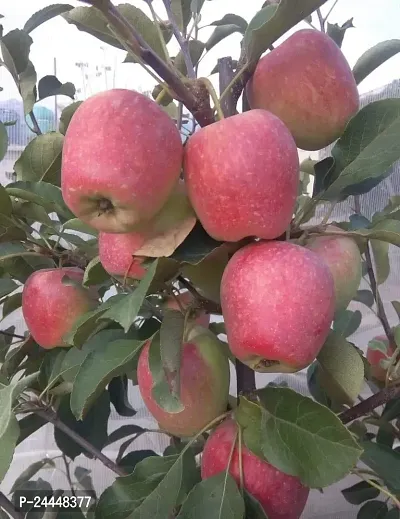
(242, 176)
(307, 83)
(121, 158)
(278, 303)
(51, 307)
(374, 357)
(185, 300)
(204, 385)
(117, 254)
(343, 258)
(282, 496)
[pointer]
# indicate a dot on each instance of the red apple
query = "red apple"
(117, 251)
(122, 156)
(278, 303)
(374, 357)
(343, 258)
(242, 176)
(50, 307)
(204, 385)
(185, 300)
(281, 496)
(309, 85)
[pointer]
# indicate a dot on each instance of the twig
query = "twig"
(68, 474)
(183, 43)
(226, 73)
(15, 336)
(321, 20)
(369, 404)
(214, 97)
(6, 505)
(51, 417)
(36, 127)
(160, 34)
(331, 9)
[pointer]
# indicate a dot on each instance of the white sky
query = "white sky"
(57, 39)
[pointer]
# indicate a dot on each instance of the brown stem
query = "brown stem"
(15, 336)
(68, 474)
(51, 417)
(369, 404)
(8, 507)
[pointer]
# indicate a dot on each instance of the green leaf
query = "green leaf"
(374, 344)
(394, 513)
(196, 48)
(385, 230)
(7, 285)
(95, 273)
(253, 508)
(380, 251)
(77, 225)
(27, 87)
(272, 22)
(374, 58)
(328, 450)
(181, 9)
(51, 367)
(341, 372)
(217, 497)
(366, 150)
(43, 194)
(384, 461)
(196, 246)
(41, 159)
(231, 19)
(5, 202)
(44, 15)
(66, 116)
(51, 86)
(130, 461)
(366, 297)
(161, 390)
(347, 322)
(221, 33)
(126, 311)
(171, 340)
(93, 428)
(31, 471)
(89, 19)
(118, 390)
(98, 369)
(13, 250)
(9, 428)
(12, 303)
(123, 432)
(15, 47)
(3, 141)
(337, 32)
(28, 425)
(360, 492)
(373, 510)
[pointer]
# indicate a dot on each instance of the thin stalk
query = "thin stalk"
(214, 97)
(378, 487)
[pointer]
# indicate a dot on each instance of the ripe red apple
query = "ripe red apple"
(50, 307)
(278, 302)
(122, 156)
(242, 176)
(309, 85)
(204, 385)
(374, 357)
(117, 251)
(281, 496)
(185, 300)
(343, 258)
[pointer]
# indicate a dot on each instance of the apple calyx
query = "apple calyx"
(262, 365)
(105, 206)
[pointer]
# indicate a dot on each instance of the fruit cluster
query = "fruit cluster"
(122, 161)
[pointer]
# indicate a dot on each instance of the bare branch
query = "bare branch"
(321, 20)
(369, 404)
(330, 10)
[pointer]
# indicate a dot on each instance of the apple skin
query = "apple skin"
(204, 377)
(343, 258)
(282, 496)
(116, 252)
(242, 176)
(119, 145)
(278, 303)
(307, 83)
(51, 308)
(375, 356)
(186, 299)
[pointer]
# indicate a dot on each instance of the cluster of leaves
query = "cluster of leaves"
(300, 436)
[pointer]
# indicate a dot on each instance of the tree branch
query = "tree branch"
(36, 127)
(7, 506)
(51, 417)
(369, 404)
(321, 20)
(183, 43)
(226, 74)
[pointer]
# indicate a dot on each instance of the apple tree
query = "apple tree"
(142, 218)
